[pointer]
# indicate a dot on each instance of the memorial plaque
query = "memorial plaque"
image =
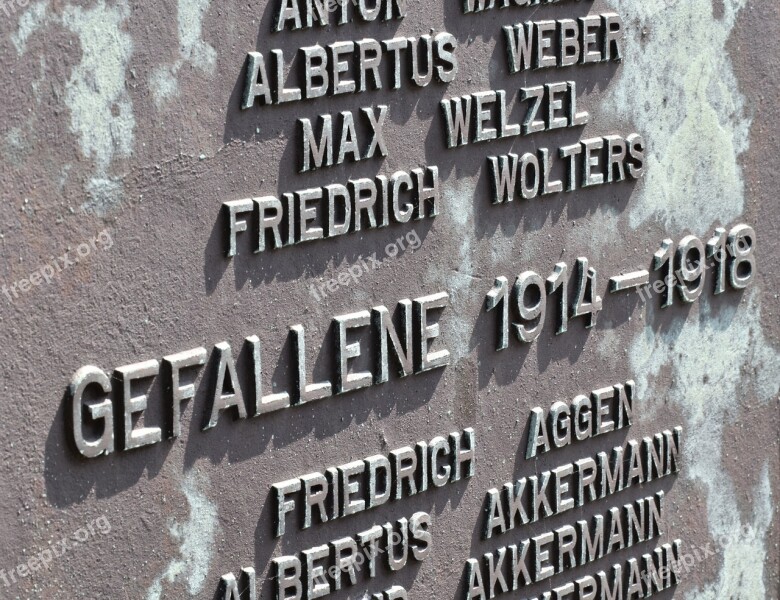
(390, 299)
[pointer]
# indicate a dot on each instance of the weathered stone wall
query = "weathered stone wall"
(124, 143)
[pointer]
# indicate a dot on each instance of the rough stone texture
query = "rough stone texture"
(123, 116)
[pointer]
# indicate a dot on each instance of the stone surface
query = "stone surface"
(122, 125)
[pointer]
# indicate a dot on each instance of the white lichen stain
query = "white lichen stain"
(196, 538)
(30, 21)
(678, 87)
(743, 554)
(707, 355)
(100, 106)
(101, 110)
(459, 198)
(192, 50)
(14, 147)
